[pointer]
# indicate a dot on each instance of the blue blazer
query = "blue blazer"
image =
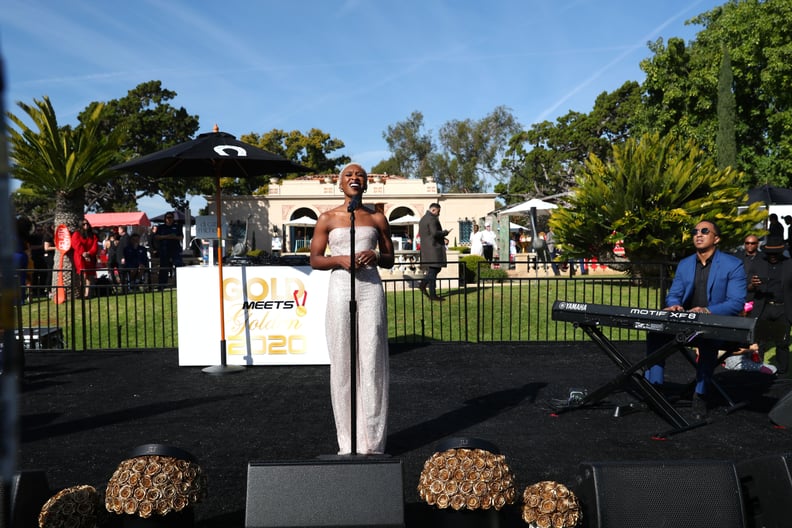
(726, 285)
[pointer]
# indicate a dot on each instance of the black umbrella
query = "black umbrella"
(770, 194)
(220, 155)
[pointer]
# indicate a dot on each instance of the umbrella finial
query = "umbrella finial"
(216, 129)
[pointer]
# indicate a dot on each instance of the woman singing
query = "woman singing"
(373, 248)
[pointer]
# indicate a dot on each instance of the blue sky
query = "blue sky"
(348, 67)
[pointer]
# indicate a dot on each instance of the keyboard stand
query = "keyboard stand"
(632, 377)
(731, 405)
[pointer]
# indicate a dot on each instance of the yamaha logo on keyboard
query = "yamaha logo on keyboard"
(576, 307)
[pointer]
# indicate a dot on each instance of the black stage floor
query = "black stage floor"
(80, 413)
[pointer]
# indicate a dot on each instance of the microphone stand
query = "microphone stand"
(352, 331)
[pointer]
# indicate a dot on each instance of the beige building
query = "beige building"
(403, 201)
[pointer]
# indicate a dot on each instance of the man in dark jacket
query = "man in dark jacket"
(770, 279)
(433, 249)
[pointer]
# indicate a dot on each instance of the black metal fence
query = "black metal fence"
(137, 312)
(506, 308)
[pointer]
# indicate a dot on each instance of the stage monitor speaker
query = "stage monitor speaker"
(703, 493)
(767, 487)
(28, 492)
(339, 491)
(781, 413)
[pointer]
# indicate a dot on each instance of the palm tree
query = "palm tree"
(59, 161)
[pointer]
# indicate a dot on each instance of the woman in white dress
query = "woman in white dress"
(373, 248)
(475, 241)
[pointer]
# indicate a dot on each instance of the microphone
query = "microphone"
(355, 202)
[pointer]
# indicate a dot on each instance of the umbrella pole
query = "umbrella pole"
(223, 367)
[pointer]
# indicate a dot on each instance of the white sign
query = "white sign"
(274, 315)
(206, 227)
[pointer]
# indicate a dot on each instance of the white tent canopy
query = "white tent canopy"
(525, 207)
(405, 220)
(303, 221)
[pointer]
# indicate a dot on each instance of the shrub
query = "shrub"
(488, 273)
(472, 264)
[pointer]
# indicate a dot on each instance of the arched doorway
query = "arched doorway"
(404, 228)
(300, 228)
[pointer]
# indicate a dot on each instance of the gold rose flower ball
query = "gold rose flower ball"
(154, 485)
(74, 507)
(548, 504)
(466, 478)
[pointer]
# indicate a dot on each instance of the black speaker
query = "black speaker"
(661, 494)
(767, 487)
(781, 413)
(28, 492)
(341, 491)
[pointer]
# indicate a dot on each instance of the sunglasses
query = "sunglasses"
(703, 231)
(750, 243)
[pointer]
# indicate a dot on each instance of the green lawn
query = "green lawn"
(512, 310)
(507, 311)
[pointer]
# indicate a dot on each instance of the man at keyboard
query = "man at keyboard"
(708, 281)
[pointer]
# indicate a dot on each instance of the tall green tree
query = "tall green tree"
(411, 145)
(60, 162)
(472, 151)
(386, 166)
(151, 123)
(681, 85)
(311, 150)
(544, 159)
(650, 195)
(726, 141)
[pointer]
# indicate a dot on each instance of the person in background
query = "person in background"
(277, 245)
(788, 238)
(708, 281)
(774, 227)
(84, 248)
(514, 244)
(167, 238)
(38, 281)
(488, 241)
(114, 258)
(433, 250)
(748, 358)
(525, 241)
(475, 241)
(123, 241)
(373, 248)
(749, 255)
(137, 261)
(49, 255)
(22, 260)
(770, 279)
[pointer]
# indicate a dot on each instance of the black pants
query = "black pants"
(430, 279)
(488, 252)
(775, 312)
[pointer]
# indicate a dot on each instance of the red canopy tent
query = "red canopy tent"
(118, 219)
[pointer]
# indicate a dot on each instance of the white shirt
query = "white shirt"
(488, 237)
